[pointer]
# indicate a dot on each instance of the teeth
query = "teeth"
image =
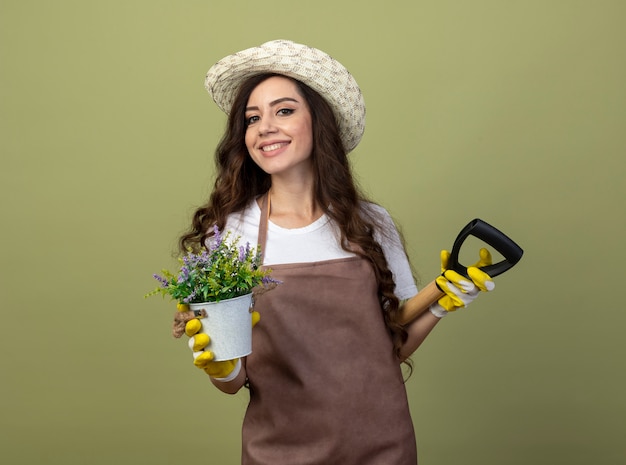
(269, 148)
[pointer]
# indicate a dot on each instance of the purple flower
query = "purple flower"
(216, 240)
(221, 269)
(269, 280)
(164, 282)
(184, 274)
(189, 298)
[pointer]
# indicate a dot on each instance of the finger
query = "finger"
(192, 327)
(485, 258)
(199, 341)
(445, 259)
(220, 369)
(256, 316)
(447, 303)
(203, 359)
(461, 282)
(453, 294)
(481, 279)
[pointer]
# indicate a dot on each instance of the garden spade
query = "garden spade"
(483, 231)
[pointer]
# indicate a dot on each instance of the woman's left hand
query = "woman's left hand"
(459, 290)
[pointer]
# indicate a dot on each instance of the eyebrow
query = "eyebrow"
(275, 102)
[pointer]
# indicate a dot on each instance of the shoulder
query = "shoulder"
(244, 224)
(252, 212)
(379, 216)
(375, 213)
(373, 208)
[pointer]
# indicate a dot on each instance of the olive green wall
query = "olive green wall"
(511, 111)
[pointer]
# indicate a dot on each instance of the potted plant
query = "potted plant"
(221, 280)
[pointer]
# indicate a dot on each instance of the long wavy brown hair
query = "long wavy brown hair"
(239, 180)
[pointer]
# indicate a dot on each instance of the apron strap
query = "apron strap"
(265, 215)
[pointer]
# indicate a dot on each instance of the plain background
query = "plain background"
(510, 111)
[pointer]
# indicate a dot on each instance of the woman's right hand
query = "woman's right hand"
(203, 357)
(199, 342)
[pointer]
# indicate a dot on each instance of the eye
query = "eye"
(251, 120)
(285, 111)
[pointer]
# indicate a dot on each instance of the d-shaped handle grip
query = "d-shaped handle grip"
(492, 236)
(483, 231)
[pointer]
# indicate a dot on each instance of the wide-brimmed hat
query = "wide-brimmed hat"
(311, 66)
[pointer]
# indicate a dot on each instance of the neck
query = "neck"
(293, 205)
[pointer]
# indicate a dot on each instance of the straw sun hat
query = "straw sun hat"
(311, 66)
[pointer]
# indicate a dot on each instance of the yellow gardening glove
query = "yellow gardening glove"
(199, 341)
(459, 290)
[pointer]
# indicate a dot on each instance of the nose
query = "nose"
(266, 126)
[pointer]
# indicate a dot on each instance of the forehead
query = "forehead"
(274, 87)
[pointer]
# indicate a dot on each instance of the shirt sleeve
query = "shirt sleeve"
(395, 254)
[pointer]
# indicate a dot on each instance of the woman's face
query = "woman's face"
(279, 134)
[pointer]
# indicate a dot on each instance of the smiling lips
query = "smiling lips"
(276, 146)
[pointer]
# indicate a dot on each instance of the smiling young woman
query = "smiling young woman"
(324, 377)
